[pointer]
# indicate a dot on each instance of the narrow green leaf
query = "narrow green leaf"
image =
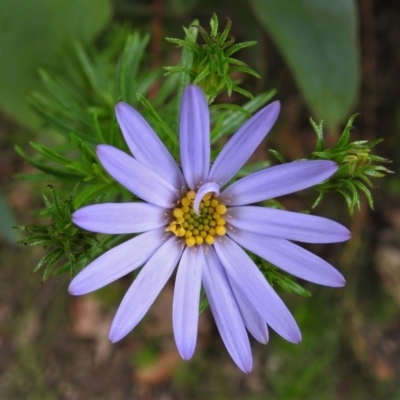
(277, 155)
(52, 171)
(48, 258)
(50, 154)
(238, 46)
(318, 200)
(246, 70)
(242, 91)
(230, 106)
(51, 262)
(367, 193)
(320, 136)
(214, 25)
(345, 136)
(348, 199)
(225, 33)
(128, 66)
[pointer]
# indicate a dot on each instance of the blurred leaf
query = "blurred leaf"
(7, 221)
(319, 42)
(32, 33)
(179, 7)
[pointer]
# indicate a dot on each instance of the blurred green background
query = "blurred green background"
(327, 59)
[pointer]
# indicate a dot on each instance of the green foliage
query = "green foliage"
(81, 99)
(275, 276)
(79, 103)
(227, 121)
(203, 301)
(61, 237)
(212, 64)
(32, 34)
(356, 166)
(318, 40)
(86, 170)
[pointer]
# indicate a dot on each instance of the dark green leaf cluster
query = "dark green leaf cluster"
(61, 237)
(213, 63)
(356, 166)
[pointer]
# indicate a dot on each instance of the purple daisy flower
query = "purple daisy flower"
(191, 219)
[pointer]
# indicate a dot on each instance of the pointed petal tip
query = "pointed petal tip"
(114, 336)
(186, 354)
(276, 105)
(347, 234)
(273, 109)
(342, 233)
(246, 367)
(75, 287)
(335, 279)
(193, 88)
(123, 109)
(332, 166)
(120, 105)
(101, 149)
(72, 290)
(298, 340)
(194, 91)
(339, 282)
(294, 337)
(75, 216)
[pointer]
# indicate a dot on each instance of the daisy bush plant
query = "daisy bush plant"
(162, 201)
(192, 219)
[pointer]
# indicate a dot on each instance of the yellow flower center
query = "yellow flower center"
(198, 229)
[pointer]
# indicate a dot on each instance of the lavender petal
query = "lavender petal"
(194, 135)
(145, 288)
(185, 310)
(290, 258)
(120, 217)
(243, 144)
(136, 177)
(146, 146)
(278, 181)
(225, 311)
(245, 274)
(287, 225)
(117, 262)
(253, 321)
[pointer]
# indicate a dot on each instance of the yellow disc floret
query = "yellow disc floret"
(198, 229)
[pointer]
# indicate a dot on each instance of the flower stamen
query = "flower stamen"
(198, 229)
